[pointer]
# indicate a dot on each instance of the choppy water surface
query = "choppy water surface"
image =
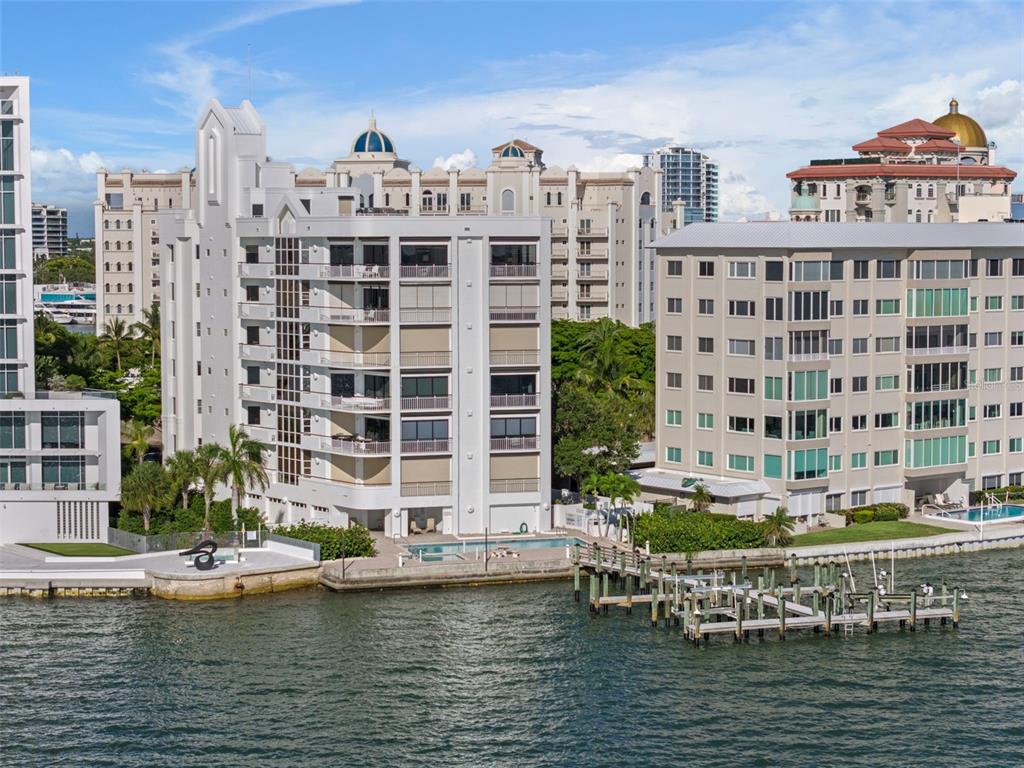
(514, 675)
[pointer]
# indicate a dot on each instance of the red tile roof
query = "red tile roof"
(938, 145)
(903, 170)
(526, 146)
(918, 127)
(882, 144)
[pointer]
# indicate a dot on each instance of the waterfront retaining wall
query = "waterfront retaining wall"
(176, 586)
(446, 574)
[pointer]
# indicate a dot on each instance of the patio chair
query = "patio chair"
(413, 528)
(431, 526)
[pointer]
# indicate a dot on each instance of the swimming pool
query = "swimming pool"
(60, 297)
(1000, 514)
(472, 549)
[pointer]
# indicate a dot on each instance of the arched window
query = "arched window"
(118, 287)
(131, 289)
(931, 191)
(406, 199)
(548, 199)
(117, 245)
(131, 266)
(106, 287)
(387, 199)
(428, 200)
(129, 246)
(919, 191)
(370, 200)
(559, 198)
(117, 224)
(128, 224)
(106, 308)
(119, 309)
(508, 201)
(106, 245)
(131, 308)
(106, 223)
(645, 198)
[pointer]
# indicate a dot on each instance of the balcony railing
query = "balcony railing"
(514, 443)
(261, 269)
(356, 359)
(514, 314)
(515, 357)
(355, 272)
(360, 403)
(346, 315)
(439, 403)
(513, 270)
(263, 352)
(592, 232)
(427, 446)
(958, 350)
(426, 315)
(251, 310)
(354, 446)
(257, 393)
(807, 357)
(427, 488)
(425, 271)
(52, 487)
(523, 485)
(592, 296)
(515, 401)
(425, 359)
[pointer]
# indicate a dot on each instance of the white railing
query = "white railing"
(346, 315)
(355, 271)
(426, 314)
(592, 296)
(438, 403)
(514, 314)
(425, 359)
(255, 269)
(513, 270)
(357, 359)
(263, 352)
(513, 443)
(257, 393)
(515, 357)
(807, 357)
(426, 271)
(350, 446)
(361, 404)
(524, 485)
(593, 274)
(592, 232)
(515, 401)
(427, 446)
(427, 488)
(959, 350)
(251, 310)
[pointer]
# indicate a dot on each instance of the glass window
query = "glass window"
(12, 430)
(63, 430)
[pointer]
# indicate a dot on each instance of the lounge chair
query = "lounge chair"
(413, 528)
(431, 526)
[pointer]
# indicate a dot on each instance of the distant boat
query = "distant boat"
(67, 303)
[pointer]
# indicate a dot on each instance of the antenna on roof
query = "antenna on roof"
(248, 62)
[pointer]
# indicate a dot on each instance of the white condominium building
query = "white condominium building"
(917, 171)
(397, 363)
(688, 178)
(49, 230)
(128, 239)
(825, 366)
(60, 459)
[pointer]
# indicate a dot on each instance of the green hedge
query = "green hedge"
(885, 511)
(191, 519)
(334, 542)
(678, 530)
(1006, 493)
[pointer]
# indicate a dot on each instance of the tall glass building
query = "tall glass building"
(688, 175)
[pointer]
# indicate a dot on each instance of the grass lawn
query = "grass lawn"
(82, 549)
(896, 529)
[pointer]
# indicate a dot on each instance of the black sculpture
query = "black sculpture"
(203, 552)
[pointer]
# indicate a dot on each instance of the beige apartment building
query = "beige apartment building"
(128, 239)
(918, 171)
(825, 366)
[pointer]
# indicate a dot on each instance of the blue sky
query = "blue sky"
(761, 87)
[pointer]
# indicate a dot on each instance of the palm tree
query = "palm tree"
(137, 435)
(116, 334)
(778, 528)
(701, 498)
(209, 468)
(144, 489)
(149, 330)
(181, 469)
(591, 485)
(243, 466)
(598, 348)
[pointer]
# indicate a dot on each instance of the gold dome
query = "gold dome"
(967, 130)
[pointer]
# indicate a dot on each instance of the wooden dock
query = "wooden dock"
(734, 605)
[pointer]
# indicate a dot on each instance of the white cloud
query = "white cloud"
(459, 160)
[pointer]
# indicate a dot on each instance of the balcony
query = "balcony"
(523, 485)
(9, 487)
(559, 293)
(927, 351)
(440, 403)
(516, 357)
(346, 315)
(354, 272)
(350, 446)
(259, 269)
(427, 488)
(807, 357)
(863, 199)
(262, 352)
(427, 446)
(315, 400)
(514, 443)
(585, 296)
(515, 401)
(355, 359)
(592, 232)
(425, 359)
(425, 272)
(257, 393)
(514, 314)
(559, 272)
(359, 403)
(425, 315)
(251, 310)
(261, 433)
(513, 270)
(595, 273)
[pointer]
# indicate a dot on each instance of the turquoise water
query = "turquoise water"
(503, 676)
(988, 514)
(472, 548)
(66, 296)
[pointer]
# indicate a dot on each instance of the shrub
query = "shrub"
(889, 510)
(334, 542)
(863, 516)
(676, 530)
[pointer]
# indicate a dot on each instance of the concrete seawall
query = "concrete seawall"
(443, 575)
(176, 586)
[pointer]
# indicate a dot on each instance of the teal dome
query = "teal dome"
(512, 151)
(804, 201)
(372, 140)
